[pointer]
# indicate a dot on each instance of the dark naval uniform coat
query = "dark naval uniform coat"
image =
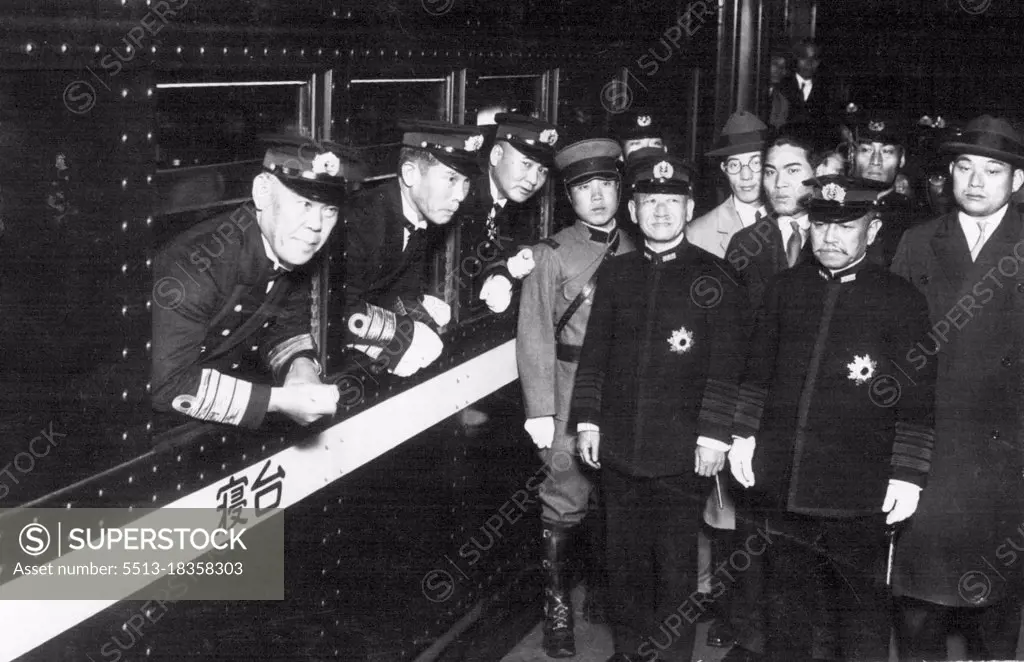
(836, 411)
(827, 394)
(374, 271)
(565, 267)
(215, 284)
(961, 548)
(659, 368)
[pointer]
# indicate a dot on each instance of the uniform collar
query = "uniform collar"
(272, 256)
(846, 274)
(601, 235)
(666, 255)
(495, 196)
(412, 220)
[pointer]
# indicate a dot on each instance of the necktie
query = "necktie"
(492, 227)
(793, 244)
(976, 248)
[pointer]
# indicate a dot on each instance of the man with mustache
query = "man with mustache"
(832, 440)
(956, 561)
(231, 300)
(495, 221)
(553, 314)
(380, 266)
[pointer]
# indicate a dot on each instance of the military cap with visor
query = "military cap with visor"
(879, 128)
(582, 161)
(838, 198)
(534, 138)
(316, 170)
(456, 146)
(635, 125)
(650, 170)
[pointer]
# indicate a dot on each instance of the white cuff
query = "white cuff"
(713, 444)
(893, 481)
(587, 427)
(736, 438)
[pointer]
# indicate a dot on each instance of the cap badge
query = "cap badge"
(643, 120)
(549, 136)
(474, 143)
(681, 340)
(862, 369)
(876, 126)
(663, 170)
(937, 123)
(852, 107)
(834, 192)
(326, 163)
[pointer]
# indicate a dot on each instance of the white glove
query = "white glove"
(439, 310)
(424, 348)
(900, 500)
(497, 293)
(542, 430)
(741, 460)
(521, 264)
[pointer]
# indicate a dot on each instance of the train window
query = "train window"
(486, 96)
(372, 107)
(208, 149)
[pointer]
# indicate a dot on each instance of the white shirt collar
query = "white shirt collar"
(970, 223)
(800, 80)
(500, 201)
(271, 254)
(410, 213)
(803, 220)
(746, 211)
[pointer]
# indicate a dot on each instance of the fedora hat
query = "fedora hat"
(989, 136)
(743, 132)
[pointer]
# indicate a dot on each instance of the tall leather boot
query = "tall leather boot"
(559, 640)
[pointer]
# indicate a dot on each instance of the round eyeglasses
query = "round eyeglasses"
(733, 166)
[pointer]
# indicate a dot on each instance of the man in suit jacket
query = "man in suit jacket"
(388, 321)
(841, 434)
(956, 561)
(776, 104)
(740, 146)
(812, 98)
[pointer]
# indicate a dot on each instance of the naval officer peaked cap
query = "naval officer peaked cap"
(456, 146)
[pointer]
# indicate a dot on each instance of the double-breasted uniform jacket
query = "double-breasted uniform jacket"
(209, 283)
(661, 360)
(564, 267)
(961, 548)
(757, 253)
(715, 229)
(827, 395)
(379, 277)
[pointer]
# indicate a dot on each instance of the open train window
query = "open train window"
(208, 150)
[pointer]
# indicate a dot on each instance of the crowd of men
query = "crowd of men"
(853, 363)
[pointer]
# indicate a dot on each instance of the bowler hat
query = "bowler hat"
(989, 136)
(743, 132)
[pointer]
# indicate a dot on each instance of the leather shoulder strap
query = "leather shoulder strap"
(586, 292)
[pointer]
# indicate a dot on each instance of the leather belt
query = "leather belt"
(568, 353)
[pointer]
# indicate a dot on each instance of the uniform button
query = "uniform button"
(234, 366)
(225, 332)
(202, 348)
(254, 348)
(238, 308)
(1007, 361)
(995, 434)
(266, 324)
(924, 280)
(1020, 287)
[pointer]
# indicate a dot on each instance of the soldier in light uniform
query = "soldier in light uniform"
(553, 314)
(231, 298)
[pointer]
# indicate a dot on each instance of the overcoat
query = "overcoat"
(757, 253)
(713, 230)
(962, 546)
